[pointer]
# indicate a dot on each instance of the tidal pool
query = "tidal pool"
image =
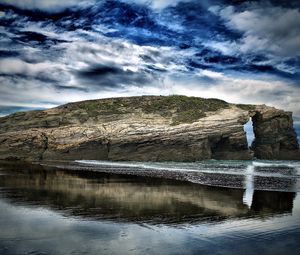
(216, 207)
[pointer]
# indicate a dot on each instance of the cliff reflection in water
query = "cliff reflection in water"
(135, 199)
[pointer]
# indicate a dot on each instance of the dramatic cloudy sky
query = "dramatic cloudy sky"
(56, 51)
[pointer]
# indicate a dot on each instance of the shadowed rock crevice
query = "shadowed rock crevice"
(148, 128)
(45, 145)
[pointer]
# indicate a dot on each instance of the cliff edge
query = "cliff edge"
(148, 128)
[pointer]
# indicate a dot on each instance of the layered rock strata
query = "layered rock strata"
(149, 128)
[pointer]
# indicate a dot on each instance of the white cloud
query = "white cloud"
(272, 30)
(272, 92)
(16, 66)
(58, 5)
(232, 89)
(119, 52)
(46, 5)
(211, 74)
(158, 4)
(225, 47)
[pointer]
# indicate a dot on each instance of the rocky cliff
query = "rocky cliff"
(149, 128)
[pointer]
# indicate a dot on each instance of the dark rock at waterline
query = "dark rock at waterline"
(148, 128)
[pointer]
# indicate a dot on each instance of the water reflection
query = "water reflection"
(249, 185)
(267, 177)
(137, 199)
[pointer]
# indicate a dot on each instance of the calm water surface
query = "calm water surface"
(90, 207)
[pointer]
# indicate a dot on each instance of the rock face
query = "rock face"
(275, 137)
(149, 128)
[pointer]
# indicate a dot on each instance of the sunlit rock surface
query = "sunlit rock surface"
(148, 128)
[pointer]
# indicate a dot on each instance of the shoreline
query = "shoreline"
(282, 177)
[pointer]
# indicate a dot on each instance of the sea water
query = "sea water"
(100, 207)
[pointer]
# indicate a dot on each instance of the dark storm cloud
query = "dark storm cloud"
(69, 88)
(9, 53)
(34, 38)
(34, 78)
(112, 77)
(99, 71)
(28, 36)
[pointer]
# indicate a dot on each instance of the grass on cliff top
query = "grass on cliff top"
(181, 109)
(185, 109)
(247, 107)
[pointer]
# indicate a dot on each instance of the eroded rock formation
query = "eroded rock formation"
(150, 128)
(275, 137)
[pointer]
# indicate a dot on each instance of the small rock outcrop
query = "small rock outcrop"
(148, 128)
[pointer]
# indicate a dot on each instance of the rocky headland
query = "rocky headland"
(148, 128)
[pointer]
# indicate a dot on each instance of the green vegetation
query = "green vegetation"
(184, 103)
(96, 107)
(181, 109)
(185, 109)
(247, 107)
(90, 105)
(109, 107)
